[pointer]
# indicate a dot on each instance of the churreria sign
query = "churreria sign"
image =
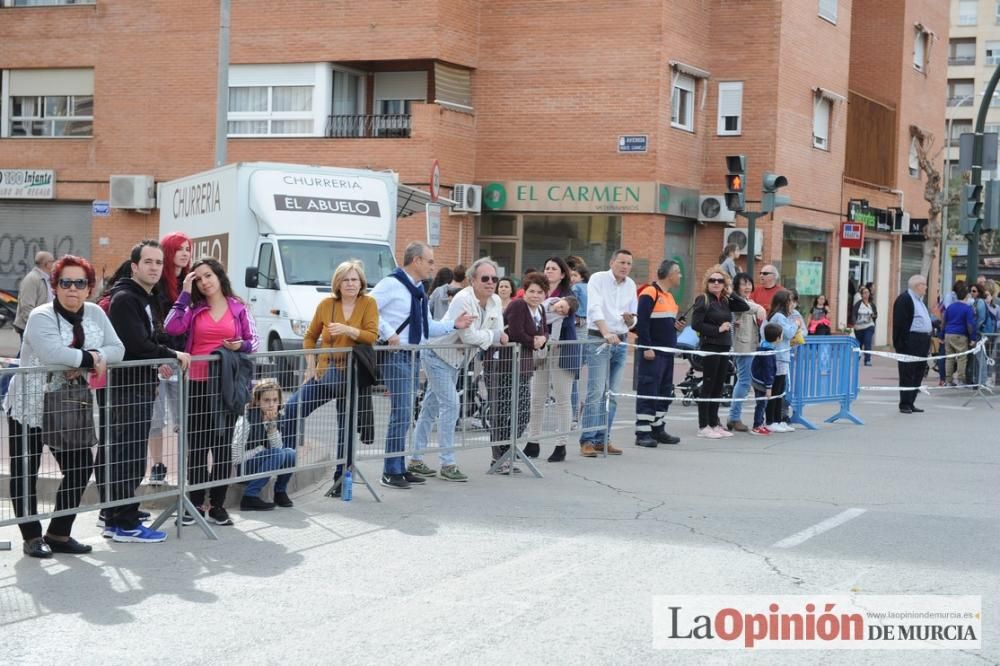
(905, 622)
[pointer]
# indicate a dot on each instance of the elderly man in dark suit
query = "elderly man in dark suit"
(911, 334)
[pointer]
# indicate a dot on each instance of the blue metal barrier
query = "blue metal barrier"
(824, 369)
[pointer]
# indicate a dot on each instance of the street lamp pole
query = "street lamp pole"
(977, 173)
(947, 187)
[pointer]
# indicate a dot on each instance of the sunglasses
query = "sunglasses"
(66, 283)
(716, 281)
(766, 273)
(486, 279)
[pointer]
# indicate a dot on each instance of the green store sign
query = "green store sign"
(591, 197)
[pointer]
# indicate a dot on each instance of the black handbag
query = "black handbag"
(68, 416)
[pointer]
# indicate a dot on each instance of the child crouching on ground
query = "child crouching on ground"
(762, 372)
(257, 446)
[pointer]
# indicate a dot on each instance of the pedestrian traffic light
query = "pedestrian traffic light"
(736, 176)
(771, 199)
(972, 208)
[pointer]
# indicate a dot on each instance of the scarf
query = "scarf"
(419, 310)
(74, 318)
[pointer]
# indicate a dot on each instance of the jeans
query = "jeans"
(440, 402)
(603, 367)
(742, 388)
(399, 373)
(865, 337)
(759, 407)
(311, 396)
(131, 414)
(268, 460)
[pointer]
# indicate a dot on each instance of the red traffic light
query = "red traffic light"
(734, 182)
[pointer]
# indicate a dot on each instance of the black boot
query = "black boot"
(664, 437)
(531, 449)
(645, 440)
(558, 454)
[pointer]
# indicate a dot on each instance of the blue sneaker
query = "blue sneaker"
(141, 534)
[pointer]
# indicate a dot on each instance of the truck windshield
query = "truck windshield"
(312, 261)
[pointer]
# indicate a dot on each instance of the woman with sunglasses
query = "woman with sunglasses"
(78, 337)
(712, 318)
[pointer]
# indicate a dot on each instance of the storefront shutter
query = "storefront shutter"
(60, 228)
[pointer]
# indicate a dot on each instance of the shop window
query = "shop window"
(730, 108)
(803, 263)
(682, 102)
(593, 237)
(828, 10)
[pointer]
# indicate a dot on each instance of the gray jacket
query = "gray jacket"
(47, 339)
(33, 291)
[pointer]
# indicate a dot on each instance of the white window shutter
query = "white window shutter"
(821, 123)
(828, 9)
(919, 49)
(730, 105)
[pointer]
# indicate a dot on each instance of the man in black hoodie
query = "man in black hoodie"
(133, 313)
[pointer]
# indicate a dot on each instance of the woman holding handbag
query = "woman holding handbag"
(348, 317)
(77, 336)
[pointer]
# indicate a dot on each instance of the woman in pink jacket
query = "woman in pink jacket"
(213, 317)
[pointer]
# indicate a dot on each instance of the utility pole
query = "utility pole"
(972, 272)
(222, 91)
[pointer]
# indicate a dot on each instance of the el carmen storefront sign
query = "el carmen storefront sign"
(591, 197)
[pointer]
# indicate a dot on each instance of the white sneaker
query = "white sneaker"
(781, 427)
(722, 432)
(709, 433)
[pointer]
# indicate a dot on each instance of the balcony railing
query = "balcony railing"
(962, 60)
(394, 126)
(961, 100)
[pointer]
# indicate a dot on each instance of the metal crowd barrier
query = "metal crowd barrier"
(327, 421)
(824, 369)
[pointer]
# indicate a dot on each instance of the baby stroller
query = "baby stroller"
(690, 386)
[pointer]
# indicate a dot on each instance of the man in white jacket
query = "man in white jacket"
(442, 366)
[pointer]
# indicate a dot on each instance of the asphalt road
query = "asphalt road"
(555, 570)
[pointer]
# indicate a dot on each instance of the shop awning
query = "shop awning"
(410, 200)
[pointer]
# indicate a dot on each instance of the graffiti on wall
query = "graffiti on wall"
(17, 254)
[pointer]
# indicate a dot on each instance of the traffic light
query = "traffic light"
(736, 177)
(771, 199)
(991, 209)
(972, 208)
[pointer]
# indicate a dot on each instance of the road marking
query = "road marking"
(818, 528)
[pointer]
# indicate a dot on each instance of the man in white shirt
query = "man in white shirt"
(34, 290)
(611, 310)
(404, 318)
(441, 366)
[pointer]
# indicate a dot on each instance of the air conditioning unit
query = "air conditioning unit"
(134, 192)
(468, 198)
(712, 208)
(738, 237)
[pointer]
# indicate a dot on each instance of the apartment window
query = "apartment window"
(270, 110)
(914, 158)
(822, 111)
(730, 108)
(828, 10)
(958, 128)
(50, 3)
(962, 52)
(921, 44)
(961, 92)
(992, 52)
(998, 13)
(452, 87)
(967, 11)
(51, 103)
(682, 102)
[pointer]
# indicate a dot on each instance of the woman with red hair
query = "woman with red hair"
(176, 248)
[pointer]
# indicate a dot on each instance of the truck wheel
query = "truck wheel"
(284, 366)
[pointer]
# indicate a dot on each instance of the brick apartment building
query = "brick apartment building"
(529, 99)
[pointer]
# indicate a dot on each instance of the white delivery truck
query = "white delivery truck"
(280, 230)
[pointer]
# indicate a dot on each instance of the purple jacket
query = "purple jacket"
(182, 315)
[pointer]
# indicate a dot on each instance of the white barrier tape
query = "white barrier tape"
(914, 359)
(923, 389)
(660, 397)
(698, 352)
